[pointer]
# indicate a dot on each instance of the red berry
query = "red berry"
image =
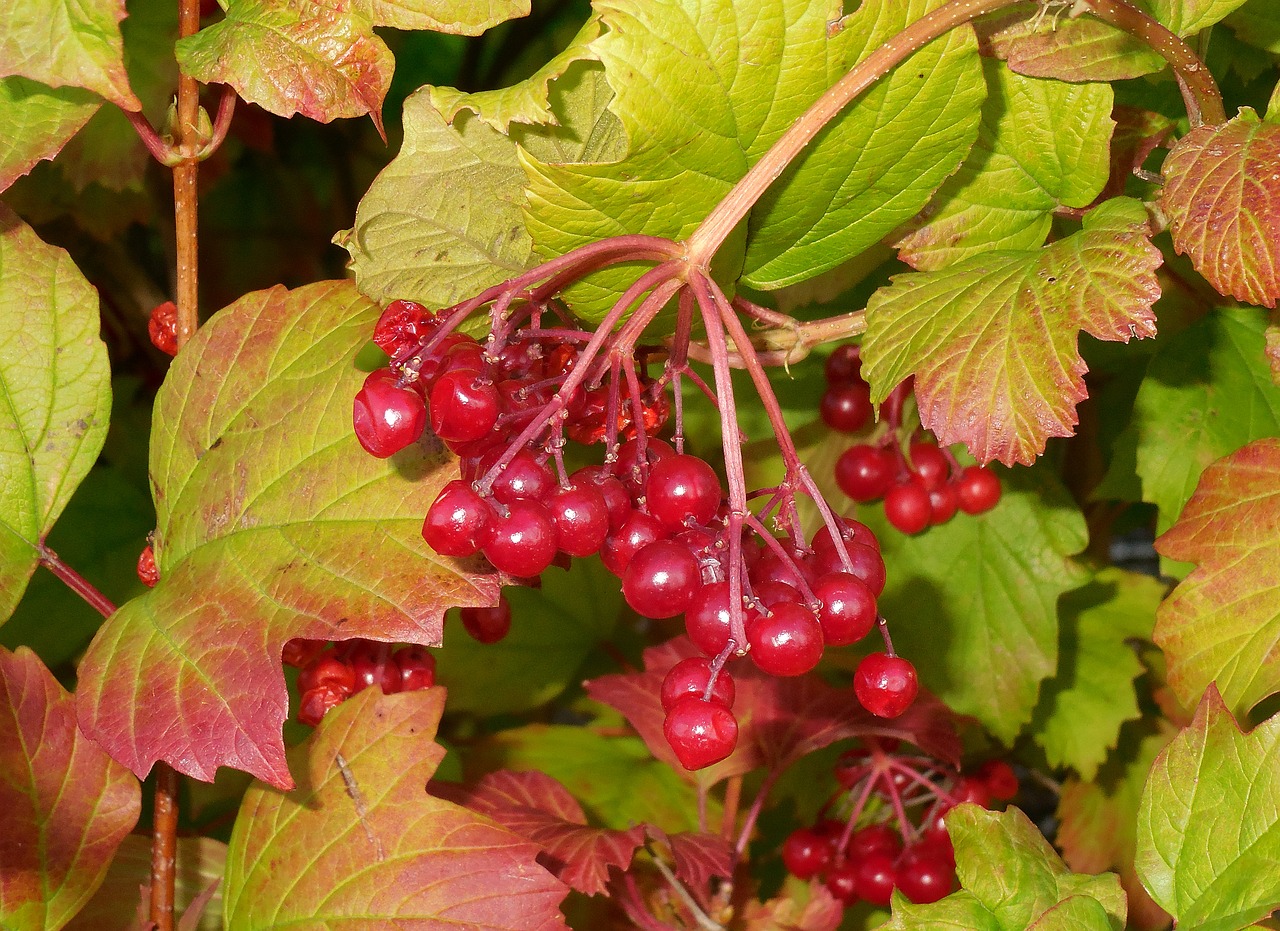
(923, 875)
(771, 592)
(162, 327)
(523, 477)
(700, 732)
(806, 853)
(315, 703)
(864, 473)
(403, 327)
(707, 618)
(874, 877)
(523, 541)
(299, 653)
(372, 664)
(846, 407)
(1001, 780)
(842, 883)
(417, 668)
(488, 625)
(387, 418)
(874, 838)
(682, 489)
(978, 489)
(458, 522)
(847, 608)
(661, 579)
(885, 685)
(851, 531)
(930, 464)
(907, 507)
(148, 573)
(690, 677)
(631, 470)
(943, 502)
(844, 364)
(971, 789)
(327, 671)
(581, 516)
(464, 406)
(787, 641)
(615, 496)
(637, 532)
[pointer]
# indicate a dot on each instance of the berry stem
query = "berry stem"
(76, 582)
(753, 815)
(732, 799)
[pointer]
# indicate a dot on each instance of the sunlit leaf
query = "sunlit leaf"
(992, 340)
(360, 840)
(1222, 198)
(272, 523)
(459, 17)
(1222, 624)
(64, 804)
(1084, 49)
(1209, 827)
(38, 121)
(55, 389)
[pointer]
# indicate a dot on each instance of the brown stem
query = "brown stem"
(76, 582)
(732, 798)
(186, 142)
(164, 847)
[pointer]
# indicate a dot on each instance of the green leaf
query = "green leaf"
(559, 623)
(360, 841)
(1011, 880)
(1186, 17)
(1207, 392)
(1258, 23)
(616, 779)
(200, 864)
(1209, 827)
(1222, 623)
(1084, 49)
(55, 391)
(38, 121)
(1222, 198)
(992, 340)
(67, 44)
(64, 804)
(457, 17)
(294, 56)
(272, 523)
(981, 593)
(1042, 145)
(1082, 707)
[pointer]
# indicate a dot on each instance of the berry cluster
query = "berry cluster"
(902, 841)
(329, 675)
(922, 487)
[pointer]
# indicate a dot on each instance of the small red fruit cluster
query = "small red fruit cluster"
(162, 327)
(331, 674)
(865, 858)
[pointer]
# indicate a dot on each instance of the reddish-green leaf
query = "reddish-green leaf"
(67, 44)
(272, 523)
(64, 804)
(1222, 197)
(55, 395)
(799, 906)
(459, 17)
(38, 121)
(1083, 49)
(1222, 624)
(360, 842)
(991, 340)
(1209, 823)
(295, 56)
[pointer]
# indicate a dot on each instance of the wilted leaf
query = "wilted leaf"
(38, 121)
(294, 56)
(992, 340)
(200, 864)
(458, 17)
(55, 379)
(67, 44)
(272, 523)
(1082, 707)
(1042, 145)
(361, 841)
(1222, 623)
(1011, 880)
(1222, 198)
(64, 804)
(1209, 826)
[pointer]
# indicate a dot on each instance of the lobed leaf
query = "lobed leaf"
(55, 391)
(1041, 145)
(1221, 625)
(992, 340)
(62, 43)
(1222, 198)
(38, 121)
(1208, 825)
(272, 523)
(64, 804)
(1011, 879)
(1082, 707)
(361, 841)
(295, 56)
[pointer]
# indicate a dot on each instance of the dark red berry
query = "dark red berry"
(875, 877)
(661, 579)
(923, 875)
(1001, 780)
(690, 677)
(864, 473)
(841, 882)
(885, 685)
(700, 732)
(978, 489)
(971, 789)
(682, 489)
(417, 668)
(522, 542)
(387, 418)
(787, 641)
(874, 838)
(299, 652)
(488, 625)
(907, 507)
(846, 407)
(148, 572)
(847, 608)
(844, 364)
(464, 406)
(806, 853)
(458, 522)
(930, 464)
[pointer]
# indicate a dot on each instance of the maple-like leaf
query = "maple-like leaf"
(294, 56)
(699, 856)
(361, 841)
(67, 44)
(64, 804)
(1222, 623)
(56, 382)
(779, 719)
(1208, 824)
(1222, 198)
(272, 523)
(38, 121)
(992, 340)
(1098, 819)
(1012, 880)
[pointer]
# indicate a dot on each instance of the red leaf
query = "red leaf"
(64, 805)
(698, 856)
(779, 719)
(1222, 197)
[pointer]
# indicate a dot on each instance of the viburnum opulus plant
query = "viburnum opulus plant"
(705, 489)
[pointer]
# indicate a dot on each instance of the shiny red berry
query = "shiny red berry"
(489, 624)
(978, 489)
(690, 677)
(387, 418)
(700, 732)
(885, 685)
